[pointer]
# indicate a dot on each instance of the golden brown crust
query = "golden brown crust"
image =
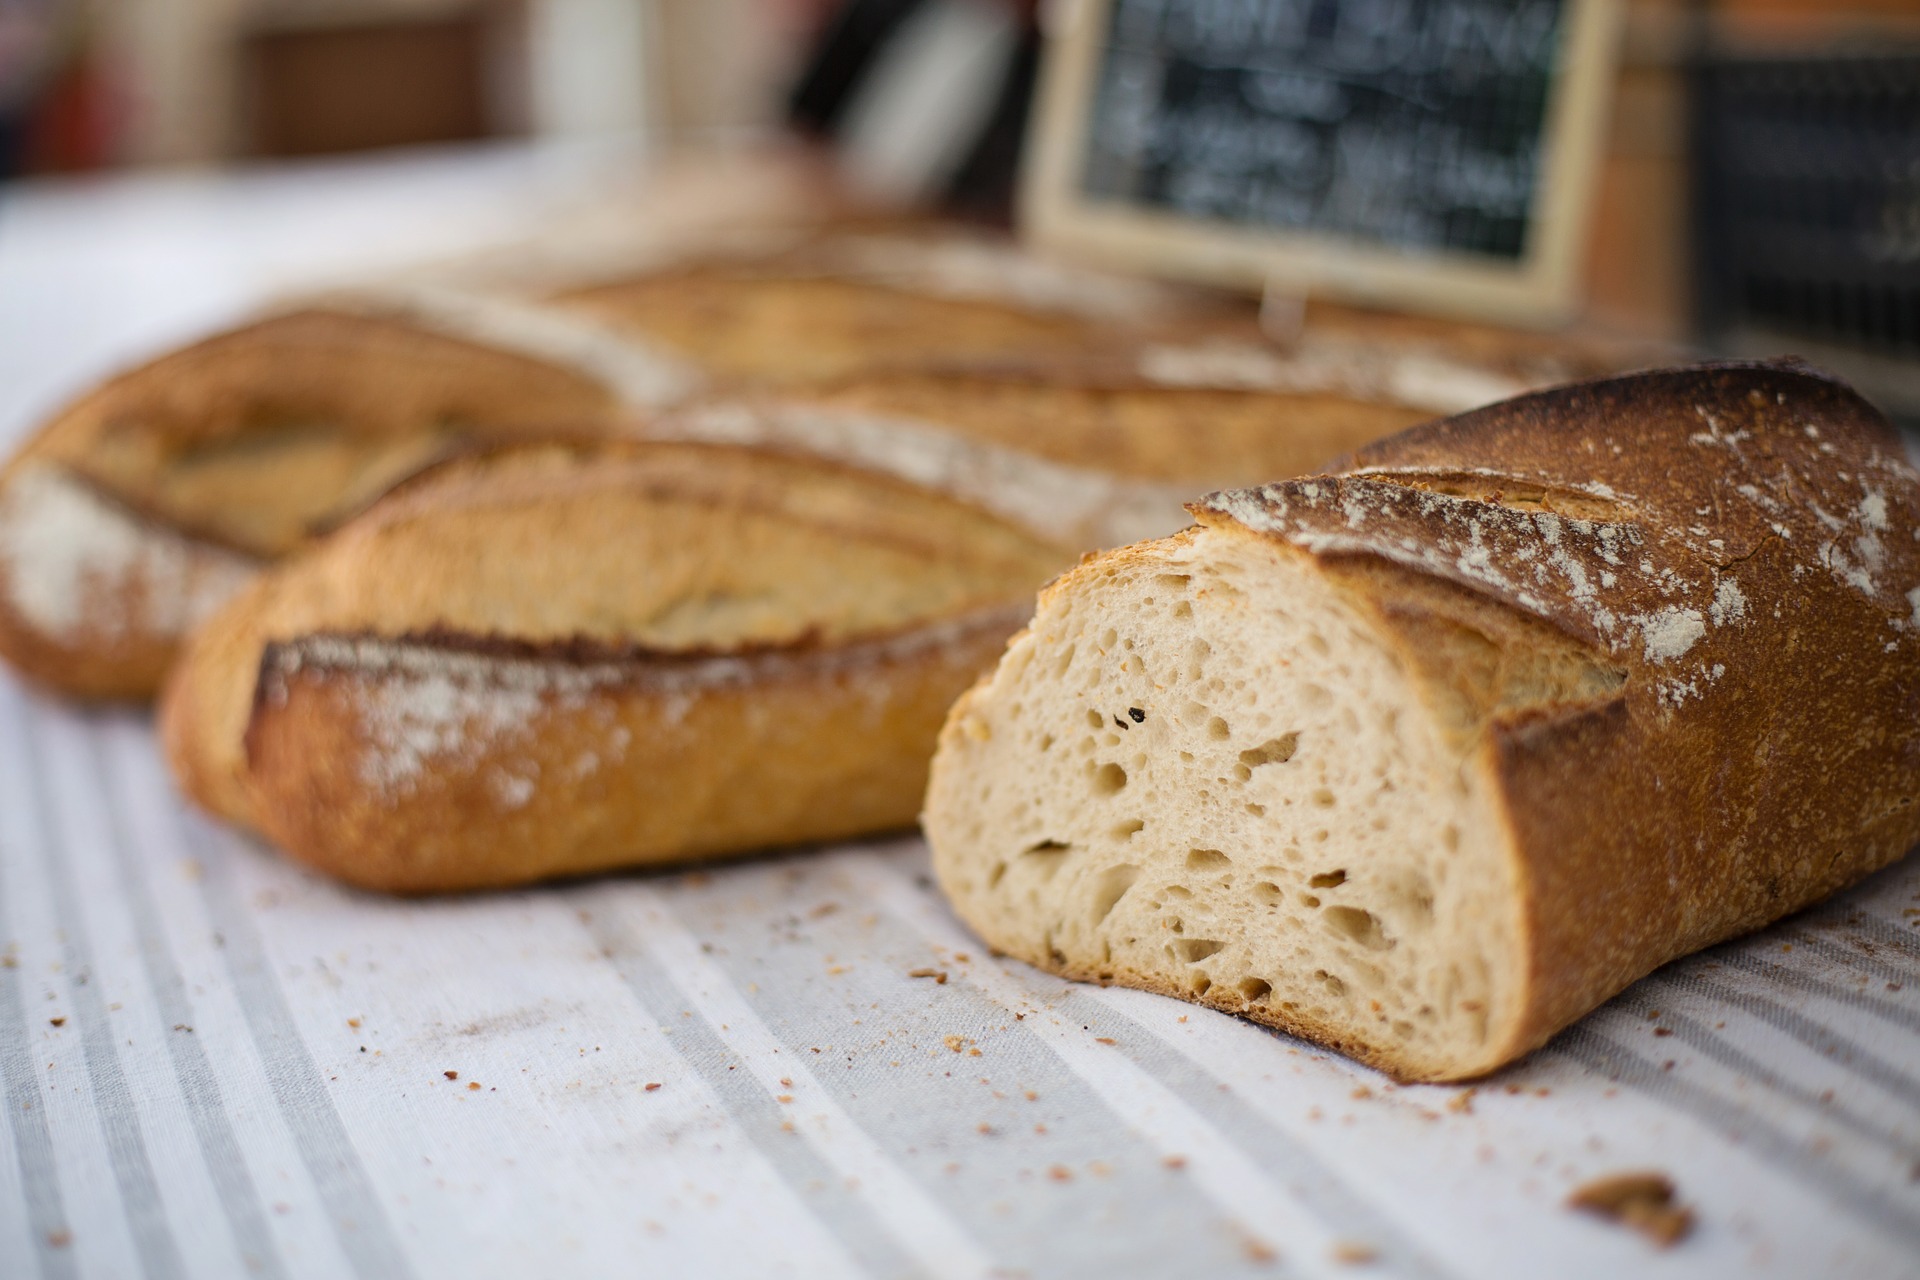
(566, 767)
(1746, 567)
(743, 327)
(1193, 437)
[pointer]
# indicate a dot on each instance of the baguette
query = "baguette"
(1426, 757)
(1103, 450)
(138, 510)
(556, 659)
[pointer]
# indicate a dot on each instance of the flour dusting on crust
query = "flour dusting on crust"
(641, 375)
(426, 705)
(1655, 580)
(1417, 380)
(1059, 502)
(76, 562)
(983, 271)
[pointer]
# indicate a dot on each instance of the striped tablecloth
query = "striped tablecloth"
(215, 1064)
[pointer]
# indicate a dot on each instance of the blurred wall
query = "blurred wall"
(204, 81)
(1641, 275)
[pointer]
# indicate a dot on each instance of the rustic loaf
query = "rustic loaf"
(1426, 757)
(145, 504)
(551, 660)
(1105, 449)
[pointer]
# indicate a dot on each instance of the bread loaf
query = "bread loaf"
(141, 507)
(552, 660)
(1426, 757)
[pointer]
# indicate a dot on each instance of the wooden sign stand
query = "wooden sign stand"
(1538, 287)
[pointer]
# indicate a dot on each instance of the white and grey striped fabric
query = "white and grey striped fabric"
(216, 1064)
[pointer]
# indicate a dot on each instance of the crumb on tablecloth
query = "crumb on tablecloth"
(1644, 1201)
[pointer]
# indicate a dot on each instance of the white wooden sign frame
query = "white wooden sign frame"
(1542, 287)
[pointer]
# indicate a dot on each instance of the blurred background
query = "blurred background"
(1761, 189)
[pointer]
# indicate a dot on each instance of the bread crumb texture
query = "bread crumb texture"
(1198, 772)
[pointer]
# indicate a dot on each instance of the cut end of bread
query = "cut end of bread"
(1205, 770)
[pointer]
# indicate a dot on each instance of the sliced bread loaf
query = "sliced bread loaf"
(1426, 757)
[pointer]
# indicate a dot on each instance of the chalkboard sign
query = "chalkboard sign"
(1435, 154)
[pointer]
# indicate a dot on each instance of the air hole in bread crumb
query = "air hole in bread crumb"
(1127, 829)
(1109, 638)
(1217, 729)
(1358, 926)
(1177, 581)
(1308, 900)
(1208, 860)
(1183, 610)
(1199, 984)
(1108, 779)
(1328, 879)
(1179, 891)
(1094, 719)
(1046, 742)
(1254, 990)
(1267, 893)
(1450, 837)
(1047, 856)
(1413, 895)
(1272, 751)
(1257, 810)
(1333, 985)
(1323, 798)
(1194, 950)
(1111, 886)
